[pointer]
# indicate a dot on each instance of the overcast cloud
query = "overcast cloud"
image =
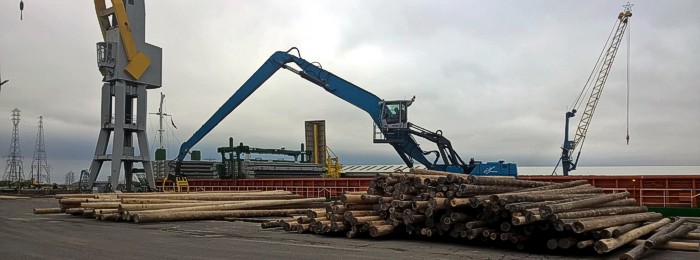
(495, 76)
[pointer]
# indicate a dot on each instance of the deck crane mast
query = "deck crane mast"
(570, 147)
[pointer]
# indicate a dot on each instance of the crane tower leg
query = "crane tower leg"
(127, 122)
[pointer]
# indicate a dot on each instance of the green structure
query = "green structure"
(676, 211)
(231, 167)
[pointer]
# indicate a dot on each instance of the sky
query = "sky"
(495, 76)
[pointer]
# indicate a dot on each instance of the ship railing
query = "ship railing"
(693, 199)
(662, 197)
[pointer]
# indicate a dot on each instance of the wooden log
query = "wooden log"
(525, 197)
(370, 198)
(561, 207)
(270, 224)
(302, 228)
(359, 220)
(672, 245)
(243, 205)
(420, 205)
(458, 216)
(488, 232)
(358, 207)
(47, 210)
(169, 195)
(552, 243)
(617, 203)
(603, 222)
(505, 226)
(599, 212)
(459, 202)
(100, 205)
(335, 217)
(208, 197)
(339, 226)
(567, 242)
(429, 172)
(89, 212)
(322, 226)
(405, 197)
(585, 243)
(656, 240)
(369, 224)
(617, 230)
(154, 201)
(140, 217)
(519, 220)
(304, 220)
(609, 244)
(359, 213)
(520, 206)
(81, 200)
(474, 233)
(438, 203)
(351, 234)
(691, 236)
(140, 207)
(352, 198)
(485, 189)
(506, 236)
(432, 232)
(484, 180)
(62, 196)
(315, 213)
(112, 216)
(402, 203)
(531, 216)
(553, 186)
(75, 211)
(385, 200)
(220, 197)
(446, 220)
(475, 224)
(383, 230)
(675, 224)
(292, 206)
(519, 238)
(338, 209)
(417, 218)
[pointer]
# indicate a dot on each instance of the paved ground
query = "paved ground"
(24, 235)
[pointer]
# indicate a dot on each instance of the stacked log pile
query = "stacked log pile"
(159, 207)
(522, 214)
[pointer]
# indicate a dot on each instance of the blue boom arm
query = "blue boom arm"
(408, 148)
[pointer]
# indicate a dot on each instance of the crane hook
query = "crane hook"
(21, 8)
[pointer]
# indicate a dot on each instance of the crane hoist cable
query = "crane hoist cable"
(21, 9)
(578, 101)
(629, 36)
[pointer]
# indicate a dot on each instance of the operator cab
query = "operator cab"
(395, 114)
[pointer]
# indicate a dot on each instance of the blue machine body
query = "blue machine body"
(495, 169)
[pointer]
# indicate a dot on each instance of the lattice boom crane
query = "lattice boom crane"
(574, 147)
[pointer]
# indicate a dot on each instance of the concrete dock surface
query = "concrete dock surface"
(24, 235)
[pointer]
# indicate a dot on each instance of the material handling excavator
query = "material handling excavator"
(390, 119)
